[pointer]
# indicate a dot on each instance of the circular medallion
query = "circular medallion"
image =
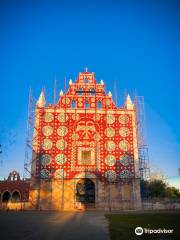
(110, 119)
(60, 158)
(125, 160)
(44, 173)
(61, 144)
(124, 131)
(110, 160)
(62, 117)
(75, 116)
(126, 174)
(65, 100)
(110, 132)
(110, 146)
(124, 145)
(123, 119)
(48, 117)
(110, 175)
(47, 144)
(47, 130)
(75, 136)
(45, 159)
(60, 174)
(62, 131)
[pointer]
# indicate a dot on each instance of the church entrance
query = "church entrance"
(85, 192)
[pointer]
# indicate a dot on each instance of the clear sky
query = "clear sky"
(136, 44)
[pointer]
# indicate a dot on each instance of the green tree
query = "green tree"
(172, 192)
(158, 189)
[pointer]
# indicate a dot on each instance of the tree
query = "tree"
(158, 189)
(172, 192)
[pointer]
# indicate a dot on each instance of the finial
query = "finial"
(102, 82)
(61, 93)
(109, 94)
(41, 101)
(86, 69)
(70, 81)
(129, 104)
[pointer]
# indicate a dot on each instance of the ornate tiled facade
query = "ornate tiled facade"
(85, 136)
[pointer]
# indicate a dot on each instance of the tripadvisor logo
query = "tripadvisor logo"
(140, 231)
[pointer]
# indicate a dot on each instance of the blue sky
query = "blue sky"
(136, 44)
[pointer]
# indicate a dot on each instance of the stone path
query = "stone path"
(53, 226)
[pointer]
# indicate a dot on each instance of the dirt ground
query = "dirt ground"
(53, 226)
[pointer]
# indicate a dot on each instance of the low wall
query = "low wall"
(16, 206)
(19, 206)
(160, 205)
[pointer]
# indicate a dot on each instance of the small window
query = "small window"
(92, 91)
(99, 105)
(80, 91)
(86, 158)
(86, 104)
(86, 80)
(73, 104)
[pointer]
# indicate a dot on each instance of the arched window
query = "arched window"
(6, 196)
(73, 104)
(16, 197)
(80, 91)
(99, 104)
(86, 80)
(86, 104)
(92, 91)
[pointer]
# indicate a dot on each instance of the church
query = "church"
(85, 150)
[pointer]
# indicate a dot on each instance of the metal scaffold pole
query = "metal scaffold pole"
(144, 167)
(29, 136)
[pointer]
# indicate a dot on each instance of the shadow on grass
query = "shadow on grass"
(122, 226)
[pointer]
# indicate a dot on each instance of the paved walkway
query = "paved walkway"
(53, 226)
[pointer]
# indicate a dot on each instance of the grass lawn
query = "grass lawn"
(122, 226)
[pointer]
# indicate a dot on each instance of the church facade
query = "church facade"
(85, 150)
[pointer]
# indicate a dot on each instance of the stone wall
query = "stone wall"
(61, 195)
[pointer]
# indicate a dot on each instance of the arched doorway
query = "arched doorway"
(6, 196)
(85, 192)
(16, 196)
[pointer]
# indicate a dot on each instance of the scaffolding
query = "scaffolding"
(29, 135)
(143, 168)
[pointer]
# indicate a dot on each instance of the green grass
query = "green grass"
(122, 226)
